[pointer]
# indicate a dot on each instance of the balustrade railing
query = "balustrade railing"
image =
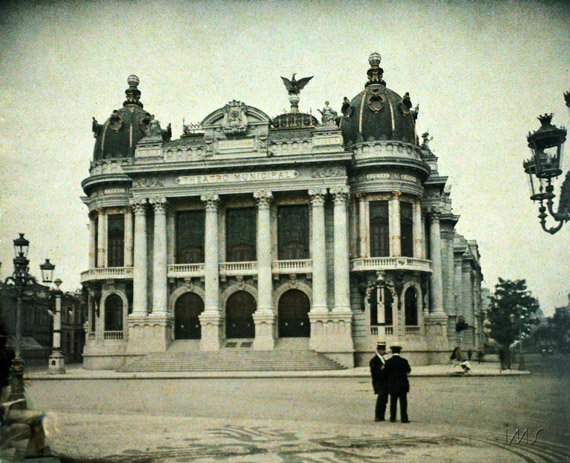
(238, 268)
(391, 263)
(293, 266)
(412, 329)
(113, 335)
(185, 270)
(389, 330)
(107, 273)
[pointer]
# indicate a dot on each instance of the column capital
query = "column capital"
(159, 204)
(138, 206)
(263, 198)
(318, 196)
(212, 201)
(434, 213)
(396, 194)
(100, 211)
(340, 194)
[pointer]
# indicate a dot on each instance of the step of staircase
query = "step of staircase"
(231, 359)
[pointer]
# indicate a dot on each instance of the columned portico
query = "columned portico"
(264, 316)
(318, 252)
(394, 213)
(140, 259)
(341, 255)
(159, 286)
(101, 238)
(211, 319)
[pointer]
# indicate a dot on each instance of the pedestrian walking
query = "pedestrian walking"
(397, 370)
(379, 381)
(469, 354)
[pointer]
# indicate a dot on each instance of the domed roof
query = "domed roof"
(378, 113)
(117, 138)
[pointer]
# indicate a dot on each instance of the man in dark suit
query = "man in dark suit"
(379, 380)
(397, 370)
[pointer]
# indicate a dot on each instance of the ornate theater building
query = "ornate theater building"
(273, 239)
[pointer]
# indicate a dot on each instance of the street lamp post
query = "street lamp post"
(19, 280)
(517, 320)
(546, 145)
(56, 363)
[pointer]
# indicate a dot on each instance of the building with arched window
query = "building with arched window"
(282, 234)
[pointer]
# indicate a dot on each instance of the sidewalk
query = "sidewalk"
(76, 372)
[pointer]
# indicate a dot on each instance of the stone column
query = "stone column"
(418, 232)
(264, 316)
(128, 258)
(159, 282)
(211, 319)
(101, 238)
(140, 259)
(394, 214)
(319, 251)
(436, 275)
(341, 255)
(364, 226)
(92, 241)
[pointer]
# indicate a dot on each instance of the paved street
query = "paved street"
(308, 419)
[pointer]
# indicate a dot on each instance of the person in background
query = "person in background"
(379, 381)
(397, 370)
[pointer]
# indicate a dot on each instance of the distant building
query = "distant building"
(37, 322)
(276, 233)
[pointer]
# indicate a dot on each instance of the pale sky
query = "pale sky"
(481, 71)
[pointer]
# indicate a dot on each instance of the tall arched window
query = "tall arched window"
(114, 313)
(411, 307)
(379, 229)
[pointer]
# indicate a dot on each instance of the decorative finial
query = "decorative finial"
(545, 119)
(294, 87)
(133, 93)
(375, 72)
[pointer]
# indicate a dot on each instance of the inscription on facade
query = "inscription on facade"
(224, 145)
(238, 177)
(384, 176)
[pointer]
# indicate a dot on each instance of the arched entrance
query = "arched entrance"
(411, 307)
(240, 307)
(113, 313)
(293, 314)
(187, 309)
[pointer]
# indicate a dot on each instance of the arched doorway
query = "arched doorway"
(240, 307)
(411, 307)
(114, 313)
(187, 309)
(293, 314)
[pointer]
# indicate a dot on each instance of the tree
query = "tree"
(559, 325)
(511, 313)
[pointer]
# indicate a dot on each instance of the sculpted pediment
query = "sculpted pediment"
(235, 118)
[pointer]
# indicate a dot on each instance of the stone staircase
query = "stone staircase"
(234, 356)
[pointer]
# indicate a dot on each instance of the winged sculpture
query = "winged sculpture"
(294, 86)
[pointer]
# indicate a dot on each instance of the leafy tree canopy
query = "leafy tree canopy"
(512, 311)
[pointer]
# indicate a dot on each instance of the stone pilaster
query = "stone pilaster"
(319, 252)
(128, 259)
(341, 255)
(160, 284)
(101, 238)
(140, 259)
(364, 226)
(264, 316)
(211, 320)
(436, 275)
(92, 240)
(418, 231)
(395, 233)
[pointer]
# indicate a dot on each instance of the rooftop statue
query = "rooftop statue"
(329, 115)
(295, 86)
(346, 108)
(426, 139)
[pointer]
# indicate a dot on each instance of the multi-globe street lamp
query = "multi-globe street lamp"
(19, 280)
(56, 359)
(546, 145)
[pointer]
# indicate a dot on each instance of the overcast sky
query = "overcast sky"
(481, 71)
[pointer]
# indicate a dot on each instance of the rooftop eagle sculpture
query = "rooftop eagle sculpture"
(294, 86)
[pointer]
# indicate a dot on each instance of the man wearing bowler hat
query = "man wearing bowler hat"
(397, 370)
(379, 380)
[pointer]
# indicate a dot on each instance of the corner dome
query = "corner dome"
(118, 136)
(378, 113)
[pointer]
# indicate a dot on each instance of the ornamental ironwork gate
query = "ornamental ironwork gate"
(293, 313)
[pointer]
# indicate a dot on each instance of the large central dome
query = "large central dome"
(378, 113)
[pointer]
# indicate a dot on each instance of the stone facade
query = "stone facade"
(380, 234)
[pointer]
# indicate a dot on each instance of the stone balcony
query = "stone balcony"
(289, 267)
(238, 268)
(111, 273)
(185, 270)
(391, 263)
